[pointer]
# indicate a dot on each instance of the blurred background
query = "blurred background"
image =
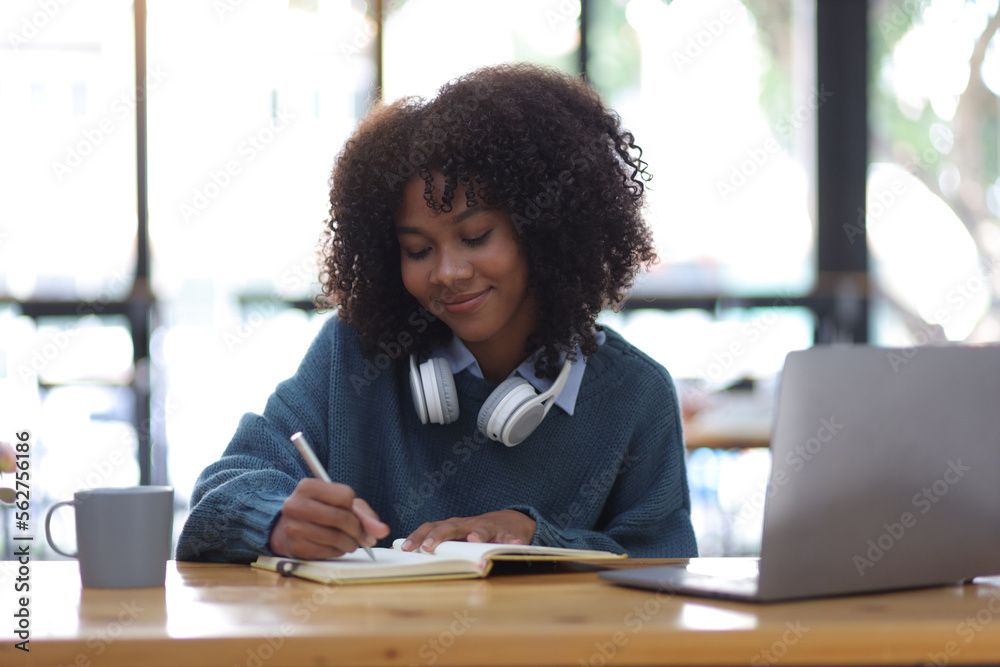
(825, 171)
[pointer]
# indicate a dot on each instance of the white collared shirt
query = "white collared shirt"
(460, 358)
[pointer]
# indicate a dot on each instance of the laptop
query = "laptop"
(885, 475)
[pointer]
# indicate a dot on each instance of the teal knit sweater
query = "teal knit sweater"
(610, 477)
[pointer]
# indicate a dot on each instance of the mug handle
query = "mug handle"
(48, 532)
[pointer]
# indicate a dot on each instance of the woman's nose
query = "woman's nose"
(452, 267)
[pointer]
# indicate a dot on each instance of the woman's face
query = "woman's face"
(467, 267)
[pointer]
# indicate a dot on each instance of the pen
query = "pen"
(310, 456)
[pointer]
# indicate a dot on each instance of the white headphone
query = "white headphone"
(509, 415)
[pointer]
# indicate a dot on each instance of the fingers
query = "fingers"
(370, 523)
(331, 493)
(503, 527)
(504, 537)
(323, 520)
(301, 539)
(431, 534)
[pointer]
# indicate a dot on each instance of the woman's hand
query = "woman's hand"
(502, 527)
(322, 520)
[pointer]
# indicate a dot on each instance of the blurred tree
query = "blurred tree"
(919, 141)
(933, 113)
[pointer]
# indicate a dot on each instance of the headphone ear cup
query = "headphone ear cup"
(416, 388)
(446, 391)
(511, 412)
(486, 412)
(435, 397)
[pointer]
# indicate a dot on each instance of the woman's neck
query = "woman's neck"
(496, 364)
(501, 353)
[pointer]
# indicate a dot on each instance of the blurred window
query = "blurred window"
(256, 102)
(67, 134)
(933, 186)
(429, 42)
(721, 95)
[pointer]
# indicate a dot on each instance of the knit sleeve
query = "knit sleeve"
(647, 513)
(237, 499)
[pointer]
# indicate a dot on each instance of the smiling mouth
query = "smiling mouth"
(463, 303)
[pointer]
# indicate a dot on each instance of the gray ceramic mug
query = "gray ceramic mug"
(123, 535)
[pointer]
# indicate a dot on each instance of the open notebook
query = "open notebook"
(451, 560)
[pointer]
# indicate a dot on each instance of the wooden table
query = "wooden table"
(224, 615)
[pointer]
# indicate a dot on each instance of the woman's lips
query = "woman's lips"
(463, 303)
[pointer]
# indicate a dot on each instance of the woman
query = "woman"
(473, 239)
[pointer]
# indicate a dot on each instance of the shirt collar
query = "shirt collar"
(459, 358)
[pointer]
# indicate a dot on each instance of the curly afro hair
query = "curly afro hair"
(534, 142)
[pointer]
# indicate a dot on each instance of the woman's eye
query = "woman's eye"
(479, 240)
(418, 255)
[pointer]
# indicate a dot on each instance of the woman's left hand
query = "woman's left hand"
(502, 527)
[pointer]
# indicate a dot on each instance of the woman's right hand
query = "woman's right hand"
(322, 520)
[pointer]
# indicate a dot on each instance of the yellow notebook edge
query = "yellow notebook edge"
(551, 554)
(334, 581)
